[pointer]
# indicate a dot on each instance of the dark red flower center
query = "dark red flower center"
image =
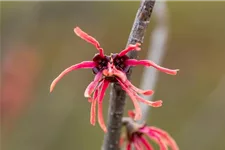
(118, 62)
(134, 135)
(101, 63)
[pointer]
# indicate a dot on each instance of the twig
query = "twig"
(155, 52)
(117, 95)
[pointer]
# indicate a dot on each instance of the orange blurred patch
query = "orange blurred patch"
(20, 68)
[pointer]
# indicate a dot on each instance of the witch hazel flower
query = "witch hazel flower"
(138, 136)
(111, 69)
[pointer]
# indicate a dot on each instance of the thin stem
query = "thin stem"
(118, 96)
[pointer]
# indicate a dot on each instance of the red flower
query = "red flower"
(109, 69)
(137, 135)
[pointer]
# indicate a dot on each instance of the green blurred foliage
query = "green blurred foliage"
(193, 100)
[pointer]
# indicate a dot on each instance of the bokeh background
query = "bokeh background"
(37, 43)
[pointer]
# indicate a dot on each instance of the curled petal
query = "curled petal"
(130, 48)
(150, 103)
(89, 39)
(148, 63)
(145, 92)
(168, 139)
(84, 64)
(93, 85)
(89, 89)
(138, 112)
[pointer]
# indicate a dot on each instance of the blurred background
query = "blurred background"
(38, 42)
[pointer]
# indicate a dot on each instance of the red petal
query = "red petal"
(131, 113)
(130, 48)
(122, 141)
(90, 89)
(147, 130)
(93, 107)
(89, 39)
(96, 94)
(128, 146)
(145, 92)
(159, 141)
(120, 74)
(138, 112)
(103, 89)
(84, 64)
(150, 103)
(137, 143)
(90, 99)
(93, 85)
(93, 112)
(148, 63)
(100, 118)
(169, 140)
(147, 145)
